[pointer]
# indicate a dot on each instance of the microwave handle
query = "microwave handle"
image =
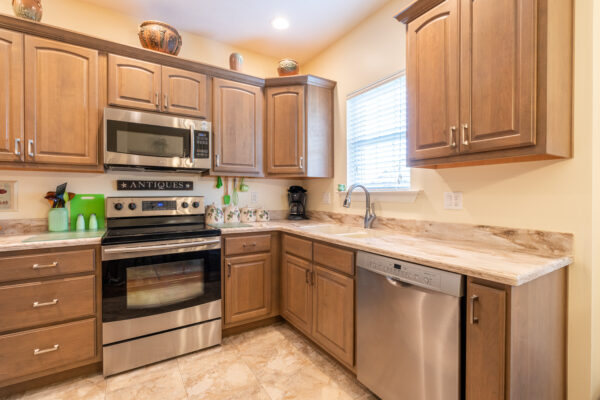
(192, 145)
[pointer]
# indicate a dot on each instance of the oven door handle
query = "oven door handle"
(160, 247)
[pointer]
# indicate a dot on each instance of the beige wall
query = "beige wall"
(542, 195)
(106, 24)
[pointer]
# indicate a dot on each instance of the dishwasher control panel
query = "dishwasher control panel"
(407, 272)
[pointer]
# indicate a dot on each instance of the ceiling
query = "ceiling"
(314, 24)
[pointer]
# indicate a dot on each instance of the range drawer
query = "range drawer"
(43, 265)
(247, 244)
(299, 247)
(30, 304)
(38, 350)
(335, 258)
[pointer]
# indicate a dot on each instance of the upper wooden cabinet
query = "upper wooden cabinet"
(147, 86)
(300, 127)
(488, 81)
(237, 125)
(11, 96)
(62, 103)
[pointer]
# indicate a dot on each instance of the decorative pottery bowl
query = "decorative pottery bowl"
(248, 214)
(232, 215)
(214, 215)
(288, 67)
(30, 9)
(158, 36)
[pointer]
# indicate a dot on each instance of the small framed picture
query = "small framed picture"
(8, 196)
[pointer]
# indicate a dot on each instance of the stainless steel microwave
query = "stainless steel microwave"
(148, 141)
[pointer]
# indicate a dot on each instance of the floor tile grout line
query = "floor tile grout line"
(187, 394)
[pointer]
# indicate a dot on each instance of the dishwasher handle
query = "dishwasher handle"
(396, 282)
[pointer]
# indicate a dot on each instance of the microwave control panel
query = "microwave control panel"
(201, 144)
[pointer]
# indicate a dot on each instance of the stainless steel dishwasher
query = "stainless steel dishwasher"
(408, 329)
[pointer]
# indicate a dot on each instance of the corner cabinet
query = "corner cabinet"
(300, 127)
(488, 82)
(237, 125)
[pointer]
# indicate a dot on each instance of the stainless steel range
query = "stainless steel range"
(161, 281)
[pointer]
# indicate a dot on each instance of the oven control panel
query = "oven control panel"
(119, 207)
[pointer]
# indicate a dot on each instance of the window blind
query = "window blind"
(376, 136)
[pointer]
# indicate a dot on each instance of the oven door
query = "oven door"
(145, 279)
(138, 139)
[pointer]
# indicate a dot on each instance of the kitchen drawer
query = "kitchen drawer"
(299, 247)
(30, 304)
(334, 258)
(43, 349)
(42, 265)
(247, 244)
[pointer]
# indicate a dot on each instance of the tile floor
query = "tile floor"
(271, 363)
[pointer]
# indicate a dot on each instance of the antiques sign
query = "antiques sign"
(155, 185)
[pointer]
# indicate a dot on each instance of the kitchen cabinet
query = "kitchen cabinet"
(516, 339)
(318, 292)
(62, 103)
(11, 96)
(300, 127)
(148, 86)
(488, 82)
(237, 125)
(250, 278)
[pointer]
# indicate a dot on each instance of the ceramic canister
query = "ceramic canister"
(248, 214)
(262, 215)
(214, 214)
(232, 214)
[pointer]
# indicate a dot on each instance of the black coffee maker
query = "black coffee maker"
(297, 200)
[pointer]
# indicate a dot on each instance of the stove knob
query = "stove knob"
(118, 206)
(185, 205)
(195, 204)
(132, 206)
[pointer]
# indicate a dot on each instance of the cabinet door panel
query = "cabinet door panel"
(11, 96)
(286, 132)
(61, 93)
(237, 127)
(333, 313)
(296, 292)
(486, 330)
(247, 287)
(432, 82)
(133, 83)
(498, 67)
(184, 92)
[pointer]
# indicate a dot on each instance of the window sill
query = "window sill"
(396, 196)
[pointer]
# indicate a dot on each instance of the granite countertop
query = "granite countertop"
(493, 257)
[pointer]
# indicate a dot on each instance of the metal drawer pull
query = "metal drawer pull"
(49, 303)
(42, 266)
(157, 99)
(301, 162)
(453, 136)
(248, 244)
(37, 352)
(307, 277)
(166, 101)
(217, 161)
(160, 247)
(229, 270)
(465, 140)
(18, 147)
(30, 148)
(473, 318)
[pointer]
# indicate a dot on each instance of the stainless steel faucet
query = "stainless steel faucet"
(370, 212)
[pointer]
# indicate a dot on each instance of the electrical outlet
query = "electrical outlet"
(253, 197)
(453, 200)
(326, 198)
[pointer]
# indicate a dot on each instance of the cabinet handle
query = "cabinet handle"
(18, 147)
(307, 277)
(453, 136)
(312, 278)
(157, 99)
(472, 317)
(42, 266)
(49, 303)
(166, 101)
(301, 162)
(30, 149)
(37, 352)
(465, 140)
(248, 244)
(229, 270)
(217, 160)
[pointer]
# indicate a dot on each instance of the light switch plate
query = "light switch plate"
(253, 197)
(453, 200)
(326, 198)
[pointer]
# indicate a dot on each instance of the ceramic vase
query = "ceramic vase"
(236, 61)
(158, 36)
(58, 220)
(288, 67)
(29, 9)
(248, 214)
(214, 215)
(232, 215)
(262, 215)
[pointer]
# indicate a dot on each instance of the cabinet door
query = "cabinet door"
(11, 96)
(61, 97)
(333, 313)
(286, 131)
(296, 292)
(133, 83)
(486, 330)
(184, 92)
(498, 74)
(247, 287)
(432, 77)
(237, 127)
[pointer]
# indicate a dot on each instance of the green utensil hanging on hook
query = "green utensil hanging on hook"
(226, 198)
(236, 199)
(243, 186)
(219, 182)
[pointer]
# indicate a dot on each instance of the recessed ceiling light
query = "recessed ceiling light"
(280, 23)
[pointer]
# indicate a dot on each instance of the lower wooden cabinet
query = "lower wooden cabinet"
(296, 292)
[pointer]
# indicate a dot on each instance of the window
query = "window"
(376, 126)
